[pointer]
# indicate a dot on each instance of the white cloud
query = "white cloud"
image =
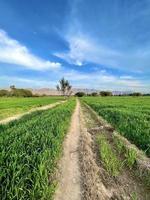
(126, 77)
(11, 51)
(83, 49)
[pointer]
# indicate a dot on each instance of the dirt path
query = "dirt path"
(15, 117)
(69, 184)
(82, 174)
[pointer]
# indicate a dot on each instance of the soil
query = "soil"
(69, 187)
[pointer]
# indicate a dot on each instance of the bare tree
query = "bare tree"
(12, 87)
(64, 87)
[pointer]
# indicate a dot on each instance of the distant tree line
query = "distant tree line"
(102, 93)
(15, 92)
(108, 93)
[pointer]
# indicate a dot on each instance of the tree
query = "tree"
(136, 94)
(64, 87)
(94, 94)
(105, 93)
(12, 87)
(80, 94)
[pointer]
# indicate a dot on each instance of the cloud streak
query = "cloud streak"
(83, 49)
(13, 52)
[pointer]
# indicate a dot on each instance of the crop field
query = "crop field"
(130, 116)
(30, 148)
(11, 106)
(68, 151)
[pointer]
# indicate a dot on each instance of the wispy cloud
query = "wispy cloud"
(84, 49)
(13, 52)
(26, 82)
(114, 35)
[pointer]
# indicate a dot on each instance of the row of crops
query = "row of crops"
(129, 115)
(30, 149)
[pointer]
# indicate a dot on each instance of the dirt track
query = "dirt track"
(15, 117)
(82, 175)
(69, 185)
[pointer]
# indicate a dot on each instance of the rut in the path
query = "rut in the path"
(69, 183)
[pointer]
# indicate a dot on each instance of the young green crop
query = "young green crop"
(30, 149)
(14, 105)
(129, 115)
(110, 161)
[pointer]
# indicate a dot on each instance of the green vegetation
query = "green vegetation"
(64, 87)
(129, 154)
(130, 157)
(105, 93)
(134, 196)
(12, 105)
(30, 148)
(80, 94)
(15, 92)
(108, 157)
(129, 115)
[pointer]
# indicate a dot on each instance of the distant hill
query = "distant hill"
(48, 91)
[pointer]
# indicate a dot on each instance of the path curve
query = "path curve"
(69, 181)
(18, 116)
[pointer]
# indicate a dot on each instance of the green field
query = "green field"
(129, 115)
(30, 148)
(14, 105)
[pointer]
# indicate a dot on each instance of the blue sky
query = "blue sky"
(93, 43)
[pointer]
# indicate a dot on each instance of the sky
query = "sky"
(95, 44)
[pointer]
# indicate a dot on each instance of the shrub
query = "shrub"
(94, 94)
(4, 93)
(80, 94)
(105, 93)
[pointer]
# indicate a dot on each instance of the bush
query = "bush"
(80, 94)
(21, 93)
(136, 94)
(4, 93)
(94, 94)
(105, 93)
(16, 93)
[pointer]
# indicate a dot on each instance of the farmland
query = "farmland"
(11, 106)
(30, 148)
(68, 151)
(130, 116)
